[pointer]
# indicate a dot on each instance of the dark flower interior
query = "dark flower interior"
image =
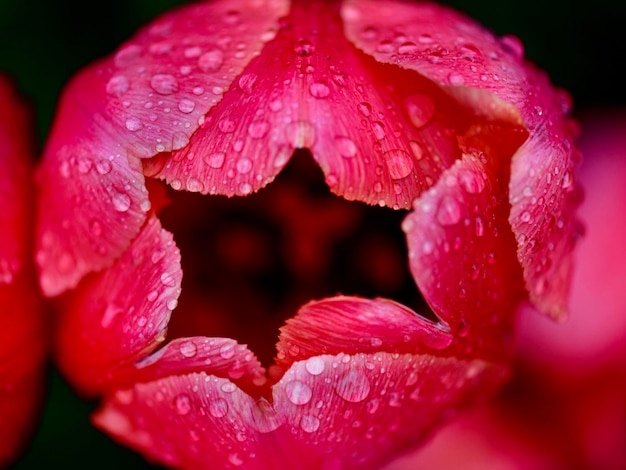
(250, 263)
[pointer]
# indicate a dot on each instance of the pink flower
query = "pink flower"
(405, 106)
(22, 341)
(567, 406)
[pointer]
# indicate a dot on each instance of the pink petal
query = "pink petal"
(22, 337)
(355, 325)
(140, 102)
(463, 57)
(314, 91)
(344, 411)
(595, 332)
(478, 440)
(358, 387)
(23, 345)
(462, 256)
(92, 198)
(222, 357)
(15, 189)
(119, 315)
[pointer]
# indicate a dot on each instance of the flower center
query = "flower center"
(250, 262)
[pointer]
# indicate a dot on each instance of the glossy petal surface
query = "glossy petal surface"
(459, 55)
(134, 105)
(462, 256)
(391, 392)
(112, 321)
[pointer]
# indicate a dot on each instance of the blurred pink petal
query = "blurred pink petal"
(22, 340)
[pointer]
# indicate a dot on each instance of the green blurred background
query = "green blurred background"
(44, 42)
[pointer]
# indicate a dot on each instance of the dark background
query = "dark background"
(44, 42)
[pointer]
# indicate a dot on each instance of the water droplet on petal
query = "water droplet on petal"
(513, 45)
(365, 109)
(372, 406)
(111, 313)
(194, 185)
(215, 160)
(304, 48)
(340, 79)
(399, 163)
(235, 459)
(471, 182)
(218, 408)
(346, 146)
(126, 56)
(449, 211)
(479, 226)
(418, 150)
(353, 386)
(188, 349)
(314, 365)
(369, 33)
(420, 109)
(186, 106)
(192, 52)
(309, 423)
(470, 52)
(226, 125)
(121, 202)
(276, 105)
(211, 61)
(385, 46)
(164, 84)
(408, 48)
(95, 227)
(300, 133)
(319, 90)
(395, 400)
(258, 129)
(379, 130)
(133, 124)
(568, 180)
(246, 82)
(117, 85)
(456, 79)
(104, 167)
(227, 351)
(179, 140)
(168, 279)
(268, 35)
(298, 392)
(182, 404)
(245, 189)
(244, 165)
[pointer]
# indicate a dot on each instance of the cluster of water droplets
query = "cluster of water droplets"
(171, 104)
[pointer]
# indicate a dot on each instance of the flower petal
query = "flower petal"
(92, 198)
(344, 411)
(142, 101)
(22, 339)
(22, 348)
(15, 188)
(113, 319)
(463, 258)
(468, 61)
(310, 88)
(355, 325)
(223, 357)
